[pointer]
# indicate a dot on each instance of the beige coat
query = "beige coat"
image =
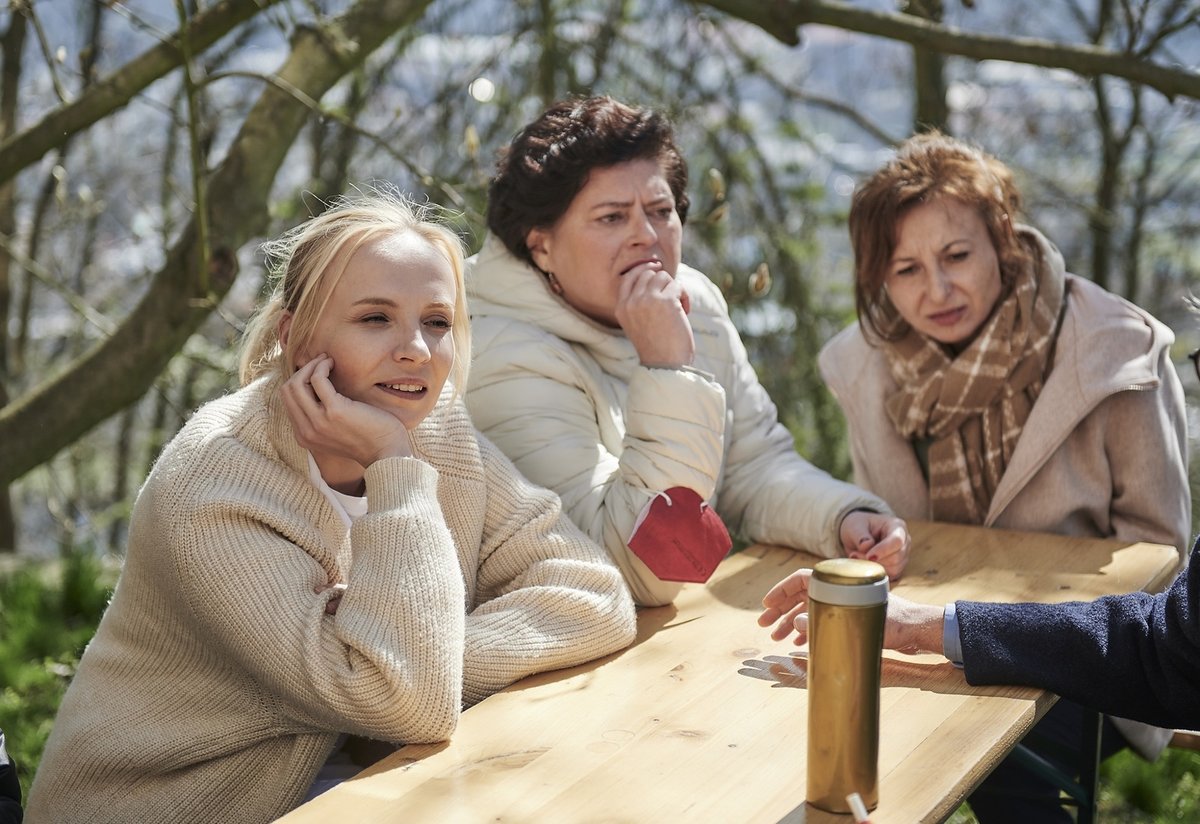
(569, 402)
(216, 685)
(1103, 454)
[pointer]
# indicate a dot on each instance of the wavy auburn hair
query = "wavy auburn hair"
(927, 167)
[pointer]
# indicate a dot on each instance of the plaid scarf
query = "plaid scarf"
(973, 405)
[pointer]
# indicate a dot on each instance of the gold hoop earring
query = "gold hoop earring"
(555, 286)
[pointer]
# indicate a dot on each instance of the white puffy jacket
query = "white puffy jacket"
(568, 401)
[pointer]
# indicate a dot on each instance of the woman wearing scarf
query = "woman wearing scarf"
(985, 385)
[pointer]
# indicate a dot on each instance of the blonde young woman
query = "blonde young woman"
(983, 384)
(329, 555)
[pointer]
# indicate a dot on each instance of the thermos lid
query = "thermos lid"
(848, 582)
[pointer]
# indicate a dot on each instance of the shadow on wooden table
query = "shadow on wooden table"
(935, 674)
(1007, 565)
(744, 588)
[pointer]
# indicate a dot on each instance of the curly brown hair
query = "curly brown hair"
(548, 163)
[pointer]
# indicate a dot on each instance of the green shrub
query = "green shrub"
(48, 613)
(1135, 791)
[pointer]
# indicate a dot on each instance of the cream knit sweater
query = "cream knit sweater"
(216, 685)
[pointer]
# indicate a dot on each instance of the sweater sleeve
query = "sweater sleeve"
(537, 400)
(1135, 655)
(389, 664)
(549, 597)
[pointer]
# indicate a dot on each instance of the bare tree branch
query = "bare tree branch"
(111, 93)
(1171, 25)
(26, 8)
(119, 370)
(340, 117)
(750, 63)
(195, 152)
(782, 18)
(39, 272)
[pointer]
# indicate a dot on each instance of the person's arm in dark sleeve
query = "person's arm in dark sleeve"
(1135, 655)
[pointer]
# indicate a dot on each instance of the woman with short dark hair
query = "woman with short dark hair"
(610, 371)
(549, 161)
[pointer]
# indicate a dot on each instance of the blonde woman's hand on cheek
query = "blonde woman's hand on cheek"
(877, 537)
(325, 421)
(652, 308)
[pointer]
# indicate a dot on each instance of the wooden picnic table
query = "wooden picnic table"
(704, 717)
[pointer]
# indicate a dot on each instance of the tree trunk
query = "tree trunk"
(1139, 210)
(122, 457)
(13, 44)
(1102, 216)
(548, 60)
(929, 74)
(157, 430)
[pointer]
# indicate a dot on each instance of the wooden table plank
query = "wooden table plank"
(705, 718)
